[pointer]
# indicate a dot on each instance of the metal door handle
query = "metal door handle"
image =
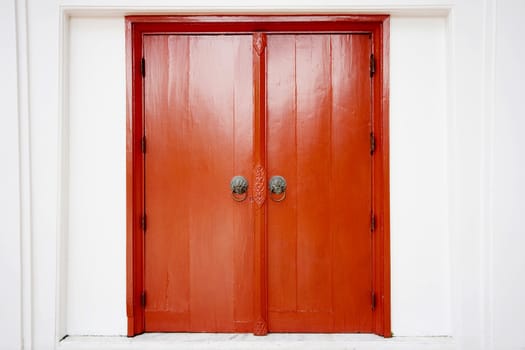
(277, 186)
(239, 188)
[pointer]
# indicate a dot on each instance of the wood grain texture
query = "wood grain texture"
(198, 126)
(134, 183)
(249, 258)
(319, 122)
(381, 182)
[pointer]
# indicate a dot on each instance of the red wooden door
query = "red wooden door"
(319, 239)
(201, 119)
(198, 116)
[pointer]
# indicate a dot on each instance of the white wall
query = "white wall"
(420, 247)
(96, 250)
(508, 127)
(10, 268)
(484, 193)
(44, 127)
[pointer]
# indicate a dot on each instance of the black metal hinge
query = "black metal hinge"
(372, 65)
(372, 143)
(143, 299)
(373, 301)
(143, 144)
(143, 222)
(372, 222)
(143, 67)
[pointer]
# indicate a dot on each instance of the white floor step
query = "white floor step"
(207, 341)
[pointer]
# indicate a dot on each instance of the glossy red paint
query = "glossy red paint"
(307, 264)
(198, 126)
(319, 240)
(259, 184)
(134, 183)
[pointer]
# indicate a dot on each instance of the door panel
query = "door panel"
(319, 241)
(198, 126)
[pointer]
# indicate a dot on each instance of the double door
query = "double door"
(288, 248)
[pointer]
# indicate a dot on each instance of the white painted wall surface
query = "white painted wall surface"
(420, 245)
(484, 168)
(10, 264)
(96, 250)
(508, 274)
(43, 74)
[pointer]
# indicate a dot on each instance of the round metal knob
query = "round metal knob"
(277, 185)
(239, 188)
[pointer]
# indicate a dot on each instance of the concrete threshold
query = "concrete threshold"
(280, 341)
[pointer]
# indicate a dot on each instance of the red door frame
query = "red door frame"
(137, 27)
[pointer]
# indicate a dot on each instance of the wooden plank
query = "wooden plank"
(282, 146)
(195, 228)
(352, 181)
